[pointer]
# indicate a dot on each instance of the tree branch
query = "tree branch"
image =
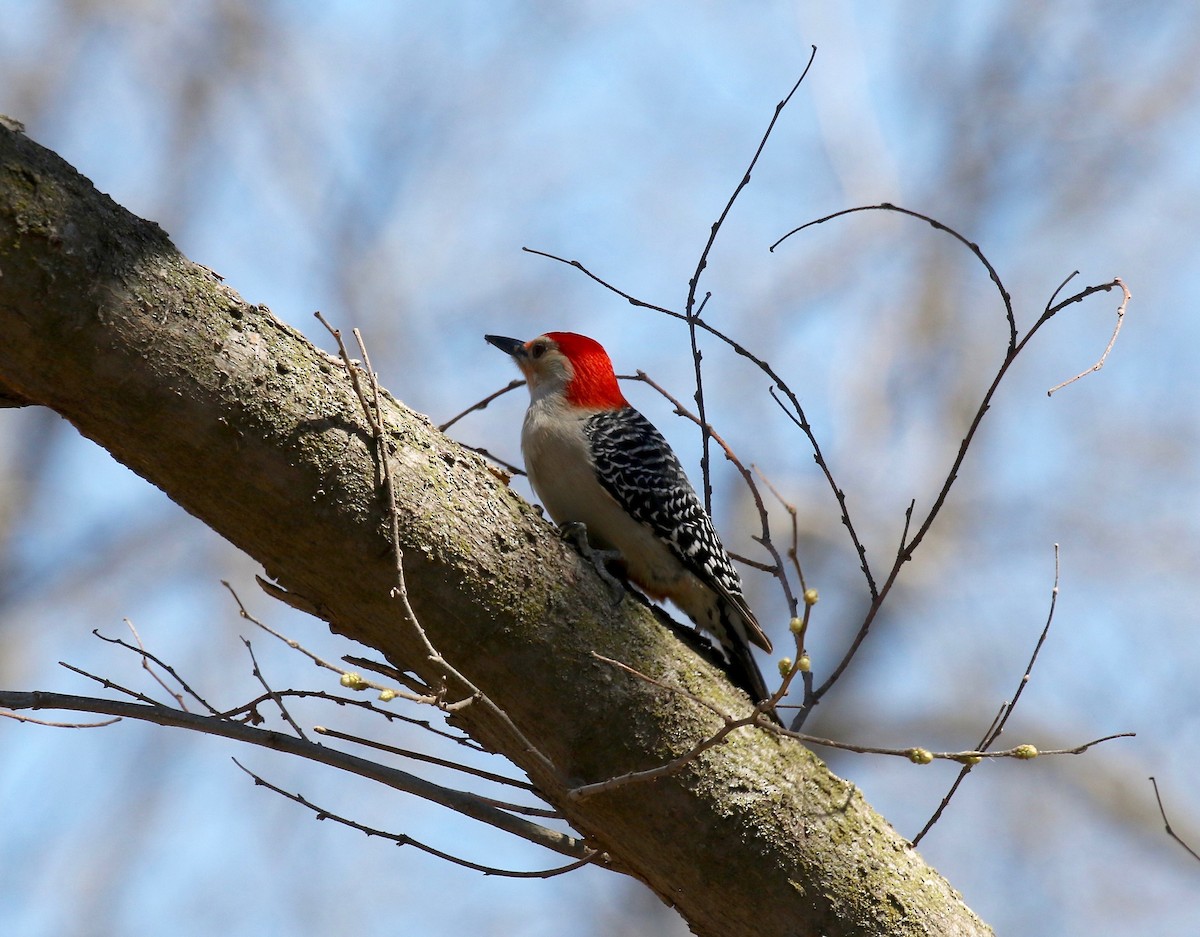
(252, 429)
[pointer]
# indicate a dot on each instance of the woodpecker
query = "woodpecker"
(595, 460)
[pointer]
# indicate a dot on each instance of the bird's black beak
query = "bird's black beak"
(510, 346)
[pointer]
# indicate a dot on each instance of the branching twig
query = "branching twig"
(730, 725)
(793, 552)
(374, 416)
(507, 466)
(111, 685)
(675, 765)
(1107, 348)
(401, 839)
(148, 658)
(1167, 823)
(271, 694)
(1006, 710)
(910, 545)
(764, 539)
(461, 802)
(933, 222)
(422, 694)
(691, 314)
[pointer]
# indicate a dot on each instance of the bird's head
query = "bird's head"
(565, 363)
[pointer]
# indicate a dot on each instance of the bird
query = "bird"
(595, 461)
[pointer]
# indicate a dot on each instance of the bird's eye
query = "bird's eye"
(537, 349)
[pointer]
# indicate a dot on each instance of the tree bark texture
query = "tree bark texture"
(255, 431)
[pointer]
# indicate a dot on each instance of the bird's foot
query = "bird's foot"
(575, 533)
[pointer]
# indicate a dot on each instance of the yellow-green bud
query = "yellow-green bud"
(796, 625)
(353, 681)
(1025, 752)
(969, 760)
(920, 756)
(804, 665)
(386, 696)
(785, 664)
(810, 596)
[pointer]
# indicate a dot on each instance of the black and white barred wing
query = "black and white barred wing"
(636, 466)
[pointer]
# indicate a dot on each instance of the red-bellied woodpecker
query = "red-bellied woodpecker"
(596, 461)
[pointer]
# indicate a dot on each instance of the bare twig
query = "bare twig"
(174, 694)
(111, 685)
(675, 765)
(730, 725)
(17, 717)
(373, 414)
(1006, 710)
(461, 802)
(272, 695)
(482, 404)
(793, 552)
(249, 709)
(507, 466)
(692, 314)
(934, 223)
(910, 545)
(1167, 823)
(430, 759)
(1107, 348)
(776, 569)
(147, 658)
(421, 693)
(401, 839)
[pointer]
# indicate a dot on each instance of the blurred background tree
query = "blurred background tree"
(385, 162)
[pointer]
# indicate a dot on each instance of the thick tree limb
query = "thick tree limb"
(252, 429)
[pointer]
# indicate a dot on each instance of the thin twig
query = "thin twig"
(146, 655)
(1006, 710)
(690, 311)
(793, 552)
(421, 694)
(429, 759)
(462, 802)
(507, 466)
(933, 222)
(1167, 823)
(675, 765)
(110, 685)
(399, 590)
(482, 404)
(764, 539)
(909, 546)
(730, 725)
(401, 839)
(17, 717)
(274, 697)
(1107, 348)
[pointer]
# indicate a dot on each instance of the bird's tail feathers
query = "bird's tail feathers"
(742, 667)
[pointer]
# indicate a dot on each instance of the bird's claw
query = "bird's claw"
(575, 533)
